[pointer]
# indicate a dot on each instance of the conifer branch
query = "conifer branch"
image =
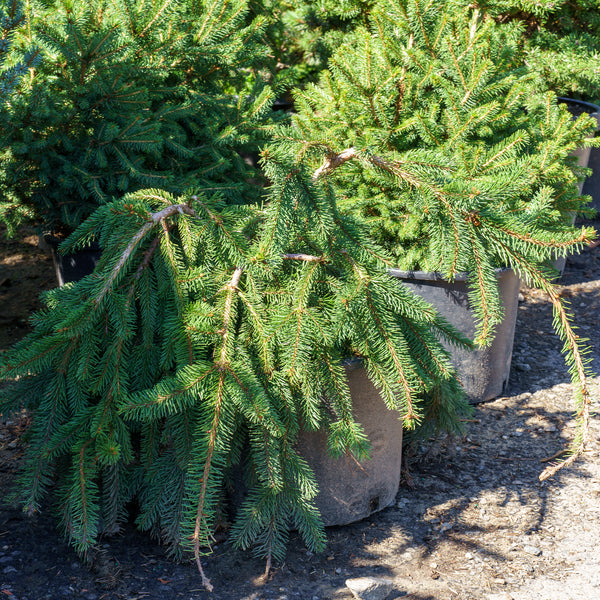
(154, 219)
(399, 364)
(571, 347)
(486, 323)
(222, 365)
(232, 289)
(585, 237)
(333, 161)
(305, 258)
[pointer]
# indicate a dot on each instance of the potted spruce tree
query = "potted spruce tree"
(126, 98)
(209, 335)
(428, 127)
(214, 331)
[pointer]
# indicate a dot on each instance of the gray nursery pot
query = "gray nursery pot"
(483, 372)
(576, 108)
(348, 490)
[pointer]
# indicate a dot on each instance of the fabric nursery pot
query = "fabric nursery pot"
(483, 372)
(348, 490)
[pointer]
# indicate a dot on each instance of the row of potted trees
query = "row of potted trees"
(214, 335)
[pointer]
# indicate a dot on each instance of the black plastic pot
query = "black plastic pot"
(483, 372)
(587, 157)
(73, 267)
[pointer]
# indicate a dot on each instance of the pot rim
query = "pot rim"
(593, 108)
(436, 275)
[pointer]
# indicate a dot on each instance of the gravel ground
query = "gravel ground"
(475, 523)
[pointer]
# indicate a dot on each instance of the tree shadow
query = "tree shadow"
(25, 271)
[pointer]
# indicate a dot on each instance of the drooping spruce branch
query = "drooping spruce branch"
(207, 328)
(574, 350)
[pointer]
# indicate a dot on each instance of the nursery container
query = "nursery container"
(483, 372)
(349, 490)
(591, 185)
(576, 108)
(586, 157)
(73, 266)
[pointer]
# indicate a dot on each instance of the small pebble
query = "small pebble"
(523, 367)
(533, 550)
(369, 588)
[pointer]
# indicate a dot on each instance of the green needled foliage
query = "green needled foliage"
(429, 129)
(303, 34)
(216, 325)
(12, 17)
(132, 95)
(210, 331)
(561, 40)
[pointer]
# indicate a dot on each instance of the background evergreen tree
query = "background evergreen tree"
(303, 34)
(562, 41)
(429, 128)
(12, 17)
(131, 95)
